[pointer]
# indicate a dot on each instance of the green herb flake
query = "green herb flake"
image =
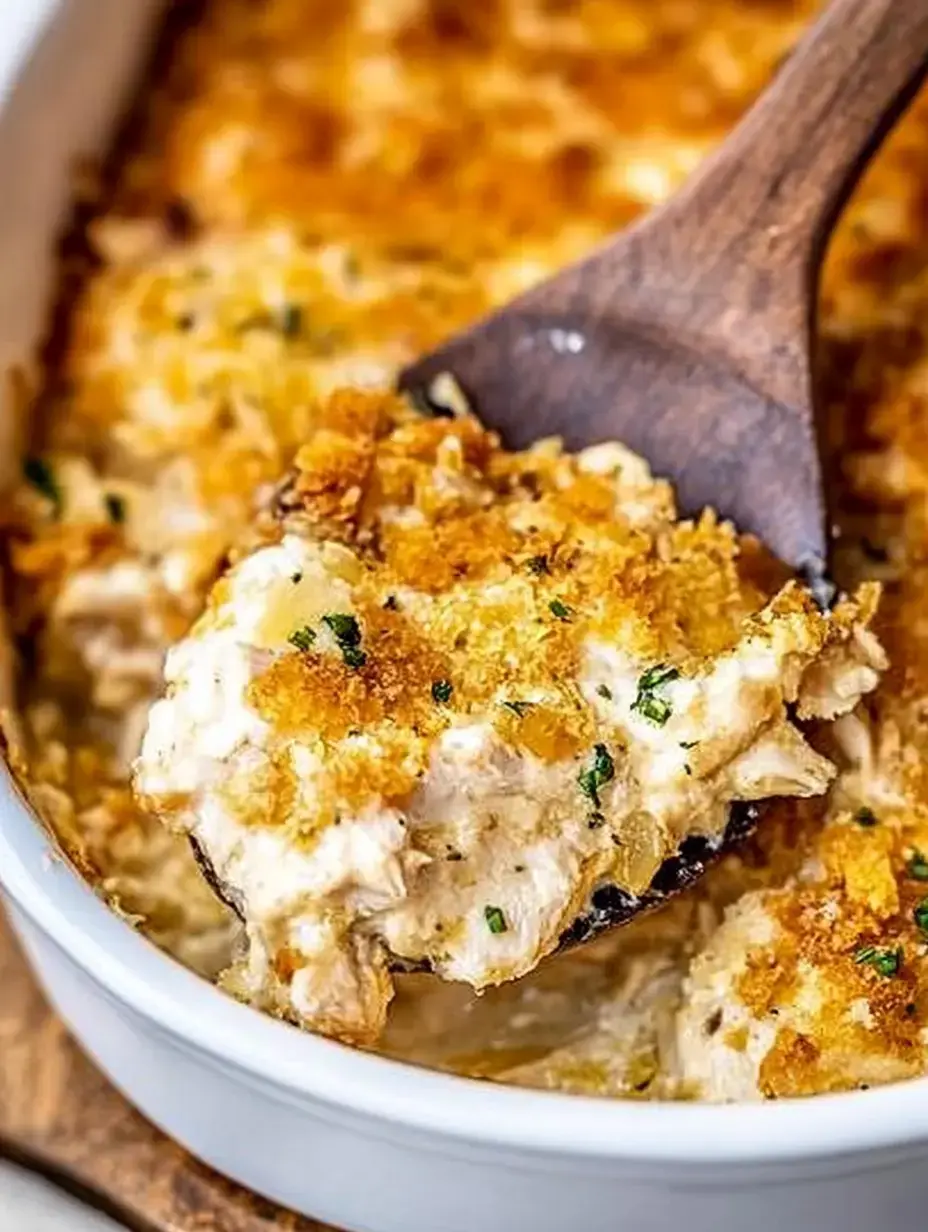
(115, 508)
(920, 915)
(291, 320)
(688, 744)
(353, 657)
(650, 702)
(37, 472)
(596, 775)
(886, 961)
(917, 866)
(866, 818)
(538, 565)
(302, 639)
(560, 610)
(347, 633)
(297, 577)
(604, 691)
(518, 708)
(496, 921)
(442, 690)
(286, 320)
(688, 769)
(345, 628)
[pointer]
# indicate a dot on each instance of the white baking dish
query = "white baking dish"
(361, 1142)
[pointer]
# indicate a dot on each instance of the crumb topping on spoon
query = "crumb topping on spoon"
(450, 690)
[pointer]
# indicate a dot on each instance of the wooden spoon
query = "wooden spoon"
(691, 336)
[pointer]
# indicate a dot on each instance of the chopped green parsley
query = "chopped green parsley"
(865, 817)
(596, 775)
(496, 921)
(917, 867)
(560, 610)
(920, 915)
(115, 508)
(291, 320)
(38, 472)
(650, 702)
(519, 708)
(604, 691)
(884, 960)
(347, 633)
(297, 577)
(302, 639)
(286, 320)
(345, 627)
(538, 565)
(442, 690)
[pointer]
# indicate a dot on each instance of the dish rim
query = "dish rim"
(299, 1066)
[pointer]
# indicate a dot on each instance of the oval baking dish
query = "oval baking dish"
(364, 1143)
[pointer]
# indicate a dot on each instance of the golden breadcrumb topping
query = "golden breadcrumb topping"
(316, 192)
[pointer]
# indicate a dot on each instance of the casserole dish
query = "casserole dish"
(365, 1143)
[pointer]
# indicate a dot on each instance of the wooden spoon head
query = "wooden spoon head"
(611, 906)
(723, 442)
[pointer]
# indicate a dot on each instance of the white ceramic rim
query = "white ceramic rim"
(136, 973)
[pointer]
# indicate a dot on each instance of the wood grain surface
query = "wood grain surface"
(58, 1114)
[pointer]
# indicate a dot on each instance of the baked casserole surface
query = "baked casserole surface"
(315, 193)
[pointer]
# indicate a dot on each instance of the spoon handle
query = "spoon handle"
(798, 152)
(789, 166)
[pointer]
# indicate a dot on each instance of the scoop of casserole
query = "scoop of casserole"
(452, 690)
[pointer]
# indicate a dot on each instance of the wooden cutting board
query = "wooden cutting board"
(59, 1115)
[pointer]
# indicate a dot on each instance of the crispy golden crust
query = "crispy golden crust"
(479, 579)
